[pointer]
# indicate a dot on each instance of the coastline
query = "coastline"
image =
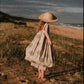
(68, 31)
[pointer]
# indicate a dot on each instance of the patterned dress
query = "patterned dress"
(39, 52)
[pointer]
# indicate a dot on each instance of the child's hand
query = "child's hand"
(51, 43)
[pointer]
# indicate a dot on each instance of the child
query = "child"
(39, 51)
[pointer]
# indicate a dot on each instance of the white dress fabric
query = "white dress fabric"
(39, 52)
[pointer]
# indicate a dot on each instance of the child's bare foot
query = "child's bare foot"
(43, 79)
(39, 77)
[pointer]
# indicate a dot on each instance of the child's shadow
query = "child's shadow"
(65, 72)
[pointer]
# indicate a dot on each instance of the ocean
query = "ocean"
(71, 25)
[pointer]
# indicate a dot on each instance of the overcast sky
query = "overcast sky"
(67, 11)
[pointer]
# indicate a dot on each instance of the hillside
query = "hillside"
(14, 19)
(15, 37)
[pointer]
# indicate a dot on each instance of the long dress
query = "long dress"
(39, 52)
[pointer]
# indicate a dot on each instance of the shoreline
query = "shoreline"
(69, 25)
(72, 27)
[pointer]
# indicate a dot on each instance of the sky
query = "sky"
(67, 11)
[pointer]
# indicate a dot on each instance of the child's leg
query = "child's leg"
(39, 73)
(43, 75)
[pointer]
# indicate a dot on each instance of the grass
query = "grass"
(74, 53)
(63, 39)
(12, 49)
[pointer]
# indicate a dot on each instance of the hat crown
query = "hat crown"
(48, 17)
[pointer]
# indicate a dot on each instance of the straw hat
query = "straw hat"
(48, 17)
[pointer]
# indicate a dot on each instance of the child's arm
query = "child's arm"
(46, 34)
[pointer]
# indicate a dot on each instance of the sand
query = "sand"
(67, 32)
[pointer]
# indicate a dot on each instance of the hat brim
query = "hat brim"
(45, 20)
(48, 17)
(49, 20)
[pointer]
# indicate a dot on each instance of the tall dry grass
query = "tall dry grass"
(15, 38)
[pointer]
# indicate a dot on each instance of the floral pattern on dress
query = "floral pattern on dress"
(31, 53)
(38, 45)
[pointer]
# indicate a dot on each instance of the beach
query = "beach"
(68, 32)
